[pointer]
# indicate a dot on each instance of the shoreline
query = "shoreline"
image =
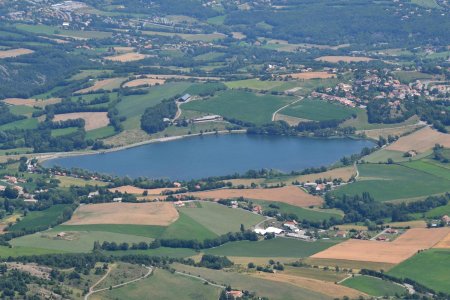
(42, 157)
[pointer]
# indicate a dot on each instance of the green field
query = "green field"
(430, 167)
(391, 182)
(63, 131)
(163, 285)
(302, 213)
(139, 230)
(187, 228)
(162, 251)
(256, 84)
(19, 251)
(263, 288)
(318, 110)
(411, 76)
(51, 30)
(21, 110)
(426, 3)
(221, 219)
(362, 122)
(205, 88)
(39, 218)
(430, 268)
(278, 247)
(240, 105)
(100, 133)
(79, 241)
(30, 123)
(374, 286)
(135, 105)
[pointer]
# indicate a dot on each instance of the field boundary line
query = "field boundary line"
(201, 279)
(150, 270)
(348, 277)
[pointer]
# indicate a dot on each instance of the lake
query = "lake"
(215, 155)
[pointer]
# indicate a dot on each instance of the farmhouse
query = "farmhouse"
(268, 230)
(292, 226)
(234, 294)
(446, 220)
(184, 98)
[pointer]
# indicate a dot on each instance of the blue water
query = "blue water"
(214, 155)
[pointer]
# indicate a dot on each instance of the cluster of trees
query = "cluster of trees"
(360, 208)
(6, 116)
(439, 155)
(14, 283)
(152, 120)
(215, 262)
(342, 22)
(178, 243)
(316, 128)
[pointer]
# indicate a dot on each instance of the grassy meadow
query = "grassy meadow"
(374, 286)
(221, 219)
(39, 218)
(319, 110)
(436, 262)
(76, 241)
(163, 285)
(278, 247)
(387, 182)
(253, 108)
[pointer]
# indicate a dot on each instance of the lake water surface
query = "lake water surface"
(214, 155)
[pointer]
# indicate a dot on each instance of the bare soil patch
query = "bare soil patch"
(31, 268)
(154, 213)
(138, 191)
(93, 120)
(311, 75)
(394, 252)
(14, 52)
(125, 57)
(288, 194)
(328, 288)
(421, 141)
(238, 35)
(347, 59)
(32, 102)
(293, 121)
(105, 84)
(144, 81)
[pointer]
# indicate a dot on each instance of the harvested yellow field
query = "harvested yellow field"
(324, 287)
(345, 173)
(421, 141)
(311, 75)
(394, 252)
(14, 52)
(32, 102)
(125, 57)
(444, 243)
(410, 224)
(93, 120)
(105, 84)
(238, 35)
(138, 191)
(144, 81)
(347, 59)
(288, 194)
(152, 213)
(385, 132)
